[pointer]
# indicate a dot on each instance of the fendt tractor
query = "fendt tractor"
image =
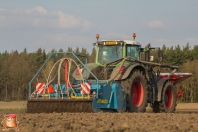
(119, 80)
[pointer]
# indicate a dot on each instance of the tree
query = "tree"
(187, 52)
(92, 56)
(195, 52)
(179, 58)
(40, 57)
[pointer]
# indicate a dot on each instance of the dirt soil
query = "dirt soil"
(185, 119)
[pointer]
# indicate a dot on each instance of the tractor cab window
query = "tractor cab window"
(109, 53)
(133, 52)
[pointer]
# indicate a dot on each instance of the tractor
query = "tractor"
(119, 80)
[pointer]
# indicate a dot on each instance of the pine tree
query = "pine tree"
(92, 56)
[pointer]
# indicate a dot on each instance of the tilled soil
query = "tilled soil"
(107, 122)
(184, 119)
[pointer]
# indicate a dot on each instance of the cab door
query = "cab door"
(133, 51)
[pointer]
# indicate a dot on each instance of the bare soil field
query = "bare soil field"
(185, 119)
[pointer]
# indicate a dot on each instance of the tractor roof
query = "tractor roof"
(113, 42)
(132, 42)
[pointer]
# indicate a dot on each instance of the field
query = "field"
(184, 119)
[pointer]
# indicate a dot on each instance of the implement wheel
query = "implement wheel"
(135, 88)
(169, 99)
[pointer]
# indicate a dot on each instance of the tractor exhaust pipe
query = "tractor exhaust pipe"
(147, 52)
(147, 55)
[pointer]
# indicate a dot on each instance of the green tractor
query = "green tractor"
(119, 80)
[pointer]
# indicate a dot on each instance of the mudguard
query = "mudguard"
(160, 84)
(127, 71)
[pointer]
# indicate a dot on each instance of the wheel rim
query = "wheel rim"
(168, 98)
(137, 93)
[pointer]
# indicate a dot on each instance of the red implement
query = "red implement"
(179, 95)
(176, 77)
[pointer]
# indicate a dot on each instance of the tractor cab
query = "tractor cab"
(111, 50)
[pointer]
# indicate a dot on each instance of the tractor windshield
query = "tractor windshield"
(109, 53)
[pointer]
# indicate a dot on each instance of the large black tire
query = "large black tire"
(169, 100)
(135, 87)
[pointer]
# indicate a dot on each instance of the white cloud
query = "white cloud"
(1, 10)
(40, 17)
(155, 24)
(68, 21)
(38, 9)
(16, 11)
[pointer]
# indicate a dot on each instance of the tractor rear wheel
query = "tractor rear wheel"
(135, 87)
(169, 100)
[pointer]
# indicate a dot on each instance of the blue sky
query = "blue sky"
(50, 24)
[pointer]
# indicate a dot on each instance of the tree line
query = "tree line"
(17, 69)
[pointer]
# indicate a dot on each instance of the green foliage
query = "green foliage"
(177, 55)
(195, 52)
(92, 56)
